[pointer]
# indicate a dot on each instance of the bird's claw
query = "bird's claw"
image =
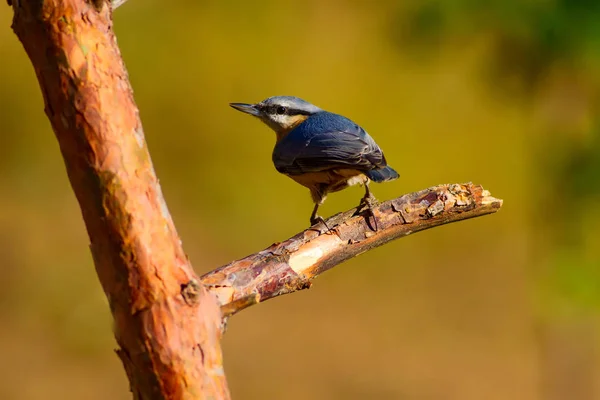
(369, 202)
(318, 219)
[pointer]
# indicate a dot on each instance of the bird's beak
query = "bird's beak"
(251, 109)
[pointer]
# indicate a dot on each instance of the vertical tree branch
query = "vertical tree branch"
(166, 324)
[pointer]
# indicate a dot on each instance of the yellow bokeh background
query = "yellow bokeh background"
(500, 307)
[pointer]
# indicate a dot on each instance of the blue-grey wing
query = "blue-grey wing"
(322, 145)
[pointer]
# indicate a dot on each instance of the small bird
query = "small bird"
(320, 150)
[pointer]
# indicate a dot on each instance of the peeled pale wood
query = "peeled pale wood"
(166, 324)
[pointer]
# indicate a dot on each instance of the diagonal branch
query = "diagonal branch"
(291, 265)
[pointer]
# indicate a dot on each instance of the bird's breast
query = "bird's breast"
(333, 179)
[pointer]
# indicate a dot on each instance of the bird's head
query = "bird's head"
(280, 113)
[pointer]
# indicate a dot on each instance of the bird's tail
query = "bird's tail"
(382, 175)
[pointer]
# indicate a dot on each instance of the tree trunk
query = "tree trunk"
(166, 324)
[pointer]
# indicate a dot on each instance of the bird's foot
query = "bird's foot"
(369, 201)
(318, 219)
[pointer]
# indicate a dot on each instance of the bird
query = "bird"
(321, 150)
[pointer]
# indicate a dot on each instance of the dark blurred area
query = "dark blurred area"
(504, 93)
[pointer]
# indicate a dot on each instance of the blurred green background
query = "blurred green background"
(504, 93)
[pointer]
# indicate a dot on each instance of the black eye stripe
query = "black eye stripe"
(298, 112)
(288, 111)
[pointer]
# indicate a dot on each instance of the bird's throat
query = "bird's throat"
(282, 130)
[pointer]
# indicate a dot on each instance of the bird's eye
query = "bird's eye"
(280, 110)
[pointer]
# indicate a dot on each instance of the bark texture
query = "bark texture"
(166, 324)
(291, 265)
